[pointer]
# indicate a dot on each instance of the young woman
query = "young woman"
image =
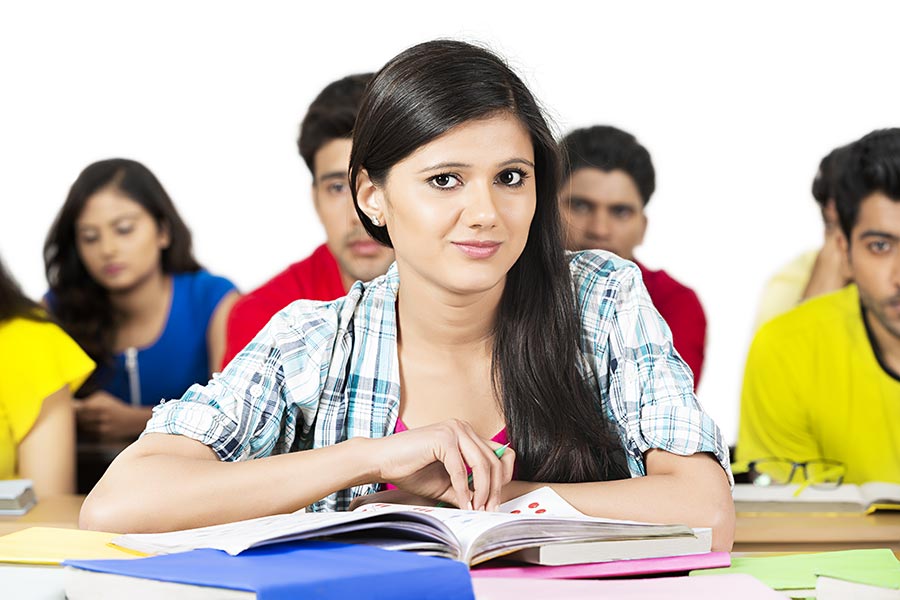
(483, 330)
(125, 285)
(40, 368)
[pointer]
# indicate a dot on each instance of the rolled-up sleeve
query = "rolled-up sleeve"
(645, 386)
(265, 397)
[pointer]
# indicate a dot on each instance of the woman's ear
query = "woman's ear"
(370, 198)
(164, 236)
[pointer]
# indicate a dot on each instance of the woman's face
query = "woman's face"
(118, 241)
(458, 210)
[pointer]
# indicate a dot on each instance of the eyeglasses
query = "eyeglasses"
(820, 473)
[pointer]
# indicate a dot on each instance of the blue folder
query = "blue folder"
(303, 570)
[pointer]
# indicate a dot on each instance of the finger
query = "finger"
(481, 459)
(502, 473)
(508, 460)
(450, 456)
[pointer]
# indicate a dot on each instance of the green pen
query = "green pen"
(498, 452)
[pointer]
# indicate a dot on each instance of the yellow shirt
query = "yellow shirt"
(784, 291)
(36, 360)
(813, 388)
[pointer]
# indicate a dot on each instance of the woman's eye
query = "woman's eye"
(445, 181)
(124, 229)
(337, 188)
(511, 178)
(879, 247)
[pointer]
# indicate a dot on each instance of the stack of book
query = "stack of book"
(336, 554)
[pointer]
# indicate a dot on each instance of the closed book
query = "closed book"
(876, 578)
(832, 588)
(279, 572)
(16, 496)
(605, 551)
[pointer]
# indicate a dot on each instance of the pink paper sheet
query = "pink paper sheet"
(711, 587)
(617, 568)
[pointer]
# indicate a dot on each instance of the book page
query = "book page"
(541, 502)
(539, 517)
(878, 492)
(847, 493)
(235, 537)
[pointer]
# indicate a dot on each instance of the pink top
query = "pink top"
(500, 438)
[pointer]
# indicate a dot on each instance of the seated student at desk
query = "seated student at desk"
(609, 182)
(348, 254)
(823, 380)
(815, 272)
(483, 328)
(40, 368)
(125, 285)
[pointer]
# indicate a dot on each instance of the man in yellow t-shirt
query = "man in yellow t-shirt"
(815, 272)
(823, 380)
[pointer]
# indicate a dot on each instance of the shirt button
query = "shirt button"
(256, 390)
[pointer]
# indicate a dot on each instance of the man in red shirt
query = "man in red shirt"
(610, 181)
(348, 254)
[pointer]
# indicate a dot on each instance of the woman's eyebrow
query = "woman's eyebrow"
(514, 161)
(874, 233)
(459, 165)
(446, 165)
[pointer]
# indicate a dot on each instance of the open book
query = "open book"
(865, 498)
(540, 519)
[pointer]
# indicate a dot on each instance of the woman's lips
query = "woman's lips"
(365, 248)
(113, 269)
(478, 249)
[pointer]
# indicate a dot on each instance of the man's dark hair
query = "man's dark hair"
(872, 165)
(608, 148)
(826, 177)
(331, 116)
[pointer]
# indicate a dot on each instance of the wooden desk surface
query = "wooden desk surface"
(760, 532)
(757, 532)
(56, 511)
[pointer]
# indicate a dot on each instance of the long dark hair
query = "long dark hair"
(553, 420)
(13, 303)
(80, 304)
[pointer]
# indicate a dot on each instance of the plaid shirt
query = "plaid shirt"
(323, 372)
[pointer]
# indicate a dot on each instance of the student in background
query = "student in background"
(125, 285)
(823, 380)
(483, 331)
(348, 254)
(40, 368)
(610, 181)
(815, 272)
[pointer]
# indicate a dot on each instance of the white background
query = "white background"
(736, 103)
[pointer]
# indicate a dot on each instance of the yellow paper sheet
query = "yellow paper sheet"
(51, 546)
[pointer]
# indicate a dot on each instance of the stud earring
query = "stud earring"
(376, 222)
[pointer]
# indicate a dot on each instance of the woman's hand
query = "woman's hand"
(107, 418)
(431, 462)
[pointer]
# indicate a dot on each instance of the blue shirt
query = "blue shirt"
(179, 358)
(323, 372)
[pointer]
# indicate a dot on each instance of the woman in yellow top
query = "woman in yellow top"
(40, 367)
